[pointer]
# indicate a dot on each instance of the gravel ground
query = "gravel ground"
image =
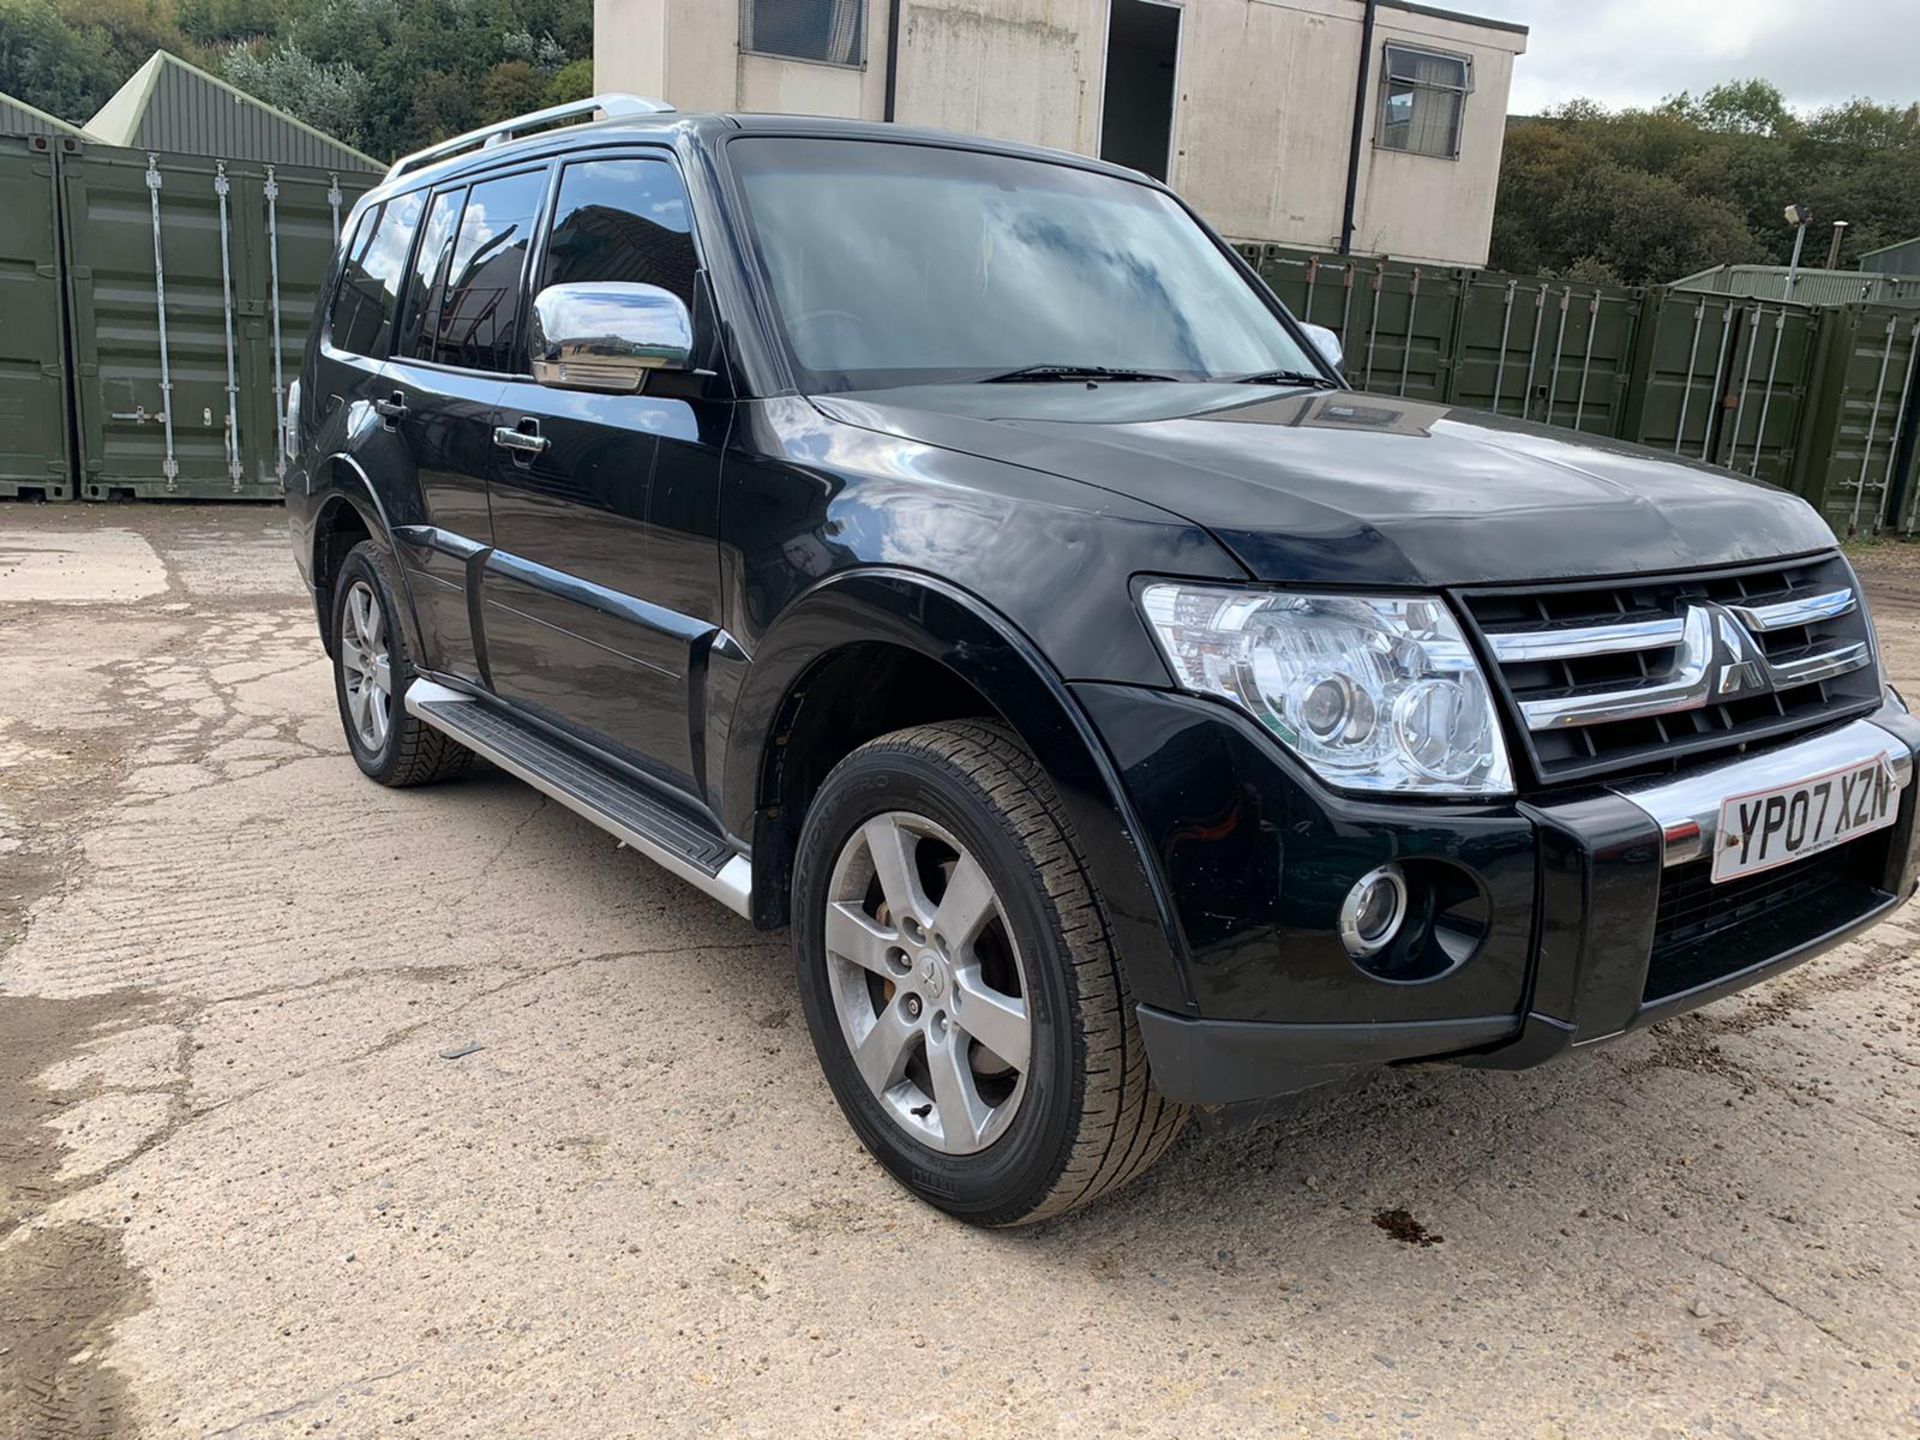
(326, 1108)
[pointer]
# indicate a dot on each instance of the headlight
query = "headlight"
(1374, 693)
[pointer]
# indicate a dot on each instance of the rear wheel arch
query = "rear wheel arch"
(798, 715)
(351, 513)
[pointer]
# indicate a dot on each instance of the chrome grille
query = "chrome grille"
(1636, 674)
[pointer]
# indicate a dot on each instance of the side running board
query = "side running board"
(670, 838)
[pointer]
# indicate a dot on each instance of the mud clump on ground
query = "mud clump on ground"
(1402, 1226)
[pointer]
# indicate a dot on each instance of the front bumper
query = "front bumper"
(1592, 901)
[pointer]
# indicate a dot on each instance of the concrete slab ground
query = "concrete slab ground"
(330, 1109)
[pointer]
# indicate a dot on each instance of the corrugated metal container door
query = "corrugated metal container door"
(1398, 319)
(1868, 367)
(1689, 344)
(34, 455)
(1547, 350)
(297, 225)
(142, 226)
(1769, 381)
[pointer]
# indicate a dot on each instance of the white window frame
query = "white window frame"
(747, 46)
(1387, 86)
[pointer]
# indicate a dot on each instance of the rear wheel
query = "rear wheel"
(371, 672)
(962, 989)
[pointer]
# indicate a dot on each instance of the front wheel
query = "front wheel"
(960, 983)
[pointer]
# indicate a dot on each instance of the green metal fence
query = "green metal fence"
(1819, 399)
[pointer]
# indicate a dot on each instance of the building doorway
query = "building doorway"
(1143, 58)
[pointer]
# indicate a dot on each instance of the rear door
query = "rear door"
(443, 398)
(603, 587)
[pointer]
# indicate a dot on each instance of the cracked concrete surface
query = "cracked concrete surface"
(245, 1191)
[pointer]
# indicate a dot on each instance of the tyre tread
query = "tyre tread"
(1124, 1124)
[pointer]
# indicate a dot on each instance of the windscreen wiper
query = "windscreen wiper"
(1311, 378)
(1028, 373)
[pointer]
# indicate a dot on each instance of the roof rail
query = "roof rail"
(487, 136)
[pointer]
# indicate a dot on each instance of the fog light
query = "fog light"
(1370, 916)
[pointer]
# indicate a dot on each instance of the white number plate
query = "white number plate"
(1790, 822)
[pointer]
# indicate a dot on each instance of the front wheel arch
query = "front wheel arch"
(957, 636)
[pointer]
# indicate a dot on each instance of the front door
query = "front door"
(603, 590)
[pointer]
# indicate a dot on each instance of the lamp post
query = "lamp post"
(1798, 216)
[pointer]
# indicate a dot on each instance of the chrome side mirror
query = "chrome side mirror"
(606, 335)
(1328, 344)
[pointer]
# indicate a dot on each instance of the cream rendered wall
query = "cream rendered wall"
(1266, 116)
(1027, 70)
(687, 52)
(1415, 207)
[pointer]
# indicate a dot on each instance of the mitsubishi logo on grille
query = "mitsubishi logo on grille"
(1738, 666)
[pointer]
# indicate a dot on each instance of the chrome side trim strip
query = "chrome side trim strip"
(1687, 807)
(1784, 614)
(732, 886)
(1586, 640)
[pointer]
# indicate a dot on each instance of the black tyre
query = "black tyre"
(371, 672)
(960, 983)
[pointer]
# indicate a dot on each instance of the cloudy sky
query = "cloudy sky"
(1636, 52)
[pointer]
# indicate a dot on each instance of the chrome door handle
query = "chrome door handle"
(393, 411)
(519, 441)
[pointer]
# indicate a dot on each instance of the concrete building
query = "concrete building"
(1247, 107)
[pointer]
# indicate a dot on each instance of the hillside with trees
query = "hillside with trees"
(387, 76)
(1641, 196)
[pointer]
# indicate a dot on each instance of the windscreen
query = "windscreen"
(900, 264)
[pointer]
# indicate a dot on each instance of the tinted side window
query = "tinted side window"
(622, 220)
(480, 316)
(370, 286)
(429, 274)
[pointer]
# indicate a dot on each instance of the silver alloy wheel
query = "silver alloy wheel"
(366, 667)
(930, 991)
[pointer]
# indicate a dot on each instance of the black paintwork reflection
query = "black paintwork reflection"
(626, 499)
(447, 435)
(1257, 860)
(1340, 487)
(807, 497)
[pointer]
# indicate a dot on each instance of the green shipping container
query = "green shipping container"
(35, 455)
(1865, 383)
(191, 284)
(1552, 351)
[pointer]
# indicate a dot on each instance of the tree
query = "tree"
(331, 98)
(513, 87)
(221, 22)
(387, 75)
(1651, 195)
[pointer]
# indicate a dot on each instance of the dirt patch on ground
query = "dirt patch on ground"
(61, 1286)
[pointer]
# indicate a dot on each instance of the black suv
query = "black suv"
(952, 551)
